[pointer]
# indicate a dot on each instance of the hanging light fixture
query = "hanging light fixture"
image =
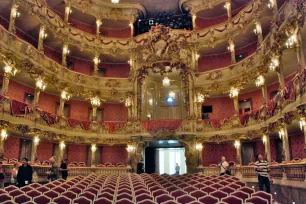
(166, 82)
(115, 1)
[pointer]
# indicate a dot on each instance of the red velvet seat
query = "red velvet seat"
(216, 186)
(209, 199)
(92, 190)
(10, 188)
(247, 190)
(124, 196)
(146, 202)
(241, 184)
(15, 193)
(50, 185)
(159, 192)
(227, 190)
(59, 190)
(2, 191)
(88, 195)
(51, 194)
(106, 195)
(198, 194)
(234, 186)
(208, 189)
(218, 194)
(208, 183)
(22, 199)
(120, 191)
(256, 200)
(5, 197)
(155, 188)
(240, 194)
(108, 190)
(232, 200)
(185, 199)
(124, 201)
(163, 198)
(142, 191)
(169, 202)
(75, 190)
(143, 197)
(172, 188)
(26, 189)
(263, 195)
(178, 193)
(81, 200)
(200, 185)
(62, 200)
(69, 194)
(33, 193)
(189, 189)
(42, 199)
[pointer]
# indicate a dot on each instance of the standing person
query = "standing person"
(14, 173)
(53, 171)
(63, 169)
(224, 167)
(25, 173)
(177, 169)
(2, 175)
(140, 167)
(262, 168)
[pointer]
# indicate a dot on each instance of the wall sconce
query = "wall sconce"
(115, 1)
(302, 123)
(4, 134)
(36, 140)
(66, 51)
(150, 101)
(128, 102)
(43, 34)
(237, 144)
(130, 148)
(98, 22)
(257, 29)
(15, 13)
(260, 81)
(62, 145)
(264, 139)
(166, 82)
(227, 5)
(40, 84)
(197, 56)
(200, 98)
(274, 63)
(93, 147)
(292, 40)
(10, 70)
(66, 96)
(130, 62)
(68, 10)
(271, 4)
(95, 101)
(199, 147)
(234, 92)
(96, 60)
(281, 133)
(149, 115)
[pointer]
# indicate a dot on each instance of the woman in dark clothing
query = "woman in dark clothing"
(24, 176)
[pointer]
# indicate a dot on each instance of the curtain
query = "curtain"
(26, 149)
(247, 152)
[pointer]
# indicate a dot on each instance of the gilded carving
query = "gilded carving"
(112, 83)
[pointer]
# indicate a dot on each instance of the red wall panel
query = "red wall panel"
(48, 102)
(77, 153)
(81, 66)
(52, 54)
(79, 110)
(255, 96)
(212, 153)
(12, 147)
(207, 22)
(260, 148)
(249, 49)
(271, 88)
(273, 149)
(44, 150)
(114, 112)
(117, 33)
(296, 143)
(116, 70)
(16, 91)
(222, 107)
(114, 154)
(211, 62)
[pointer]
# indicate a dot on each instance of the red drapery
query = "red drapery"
(18, 107)
(49, 118)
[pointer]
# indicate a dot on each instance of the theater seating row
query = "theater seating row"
(133, 188)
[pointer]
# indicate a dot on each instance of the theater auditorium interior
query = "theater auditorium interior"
(143, 98)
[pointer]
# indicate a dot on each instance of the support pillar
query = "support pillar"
(14, 14)
(264, 90)
(93, 155)
(62, 148)
(42, 36)
(266, 142)
(285, 139)
(64, 54)
(194, 17)
(61, 108)
(35, 143)
(237, 145)
(132, 28)
(94, 113)
(236, 105)
(98, 24)
(191, 97)
(280, 74)
(229, 10)
(231, 48)
(36, 97)
(96, 64)
(258, 30)
(191, 155)
(6, 81)
(67, 12)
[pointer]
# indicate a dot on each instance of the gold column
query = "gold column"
(95, 102)
(283, 134)
(191, 96)
(62, 147)
(264, 90)
(35, 143)
(231, 48)
(98, 24)
(132, 28)
(64, 54)
(280, 74)
(36, 97)
(65, 96)
(258, 31)
(67, 12)
(6, 81)
(3, 137)
(298, 55)
(96, 64)
(40, 86)
(199, 148)
(237, 145)
(266, 142)
(229, 10)
(42, 36)
(14, 14)
(93, 155)
(194, 25)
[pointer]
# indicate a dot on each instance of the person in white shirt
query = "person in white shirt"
(223, 166)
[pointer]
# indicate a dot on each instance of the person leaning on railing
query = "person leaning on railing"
(262, 168)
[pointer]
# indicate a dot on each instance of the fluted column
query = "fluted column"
(191, 96)
(132, 28)
(199, 148)
(298, 55)
(64, 54)
(284, 136)
(98, 24)
(237, 145)
(266, 142)
(96, 64)
(62, 147)
(35, 143)
(14, 14)
(231, 48)
(93, 155)
(194, 17)
(42, 36)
